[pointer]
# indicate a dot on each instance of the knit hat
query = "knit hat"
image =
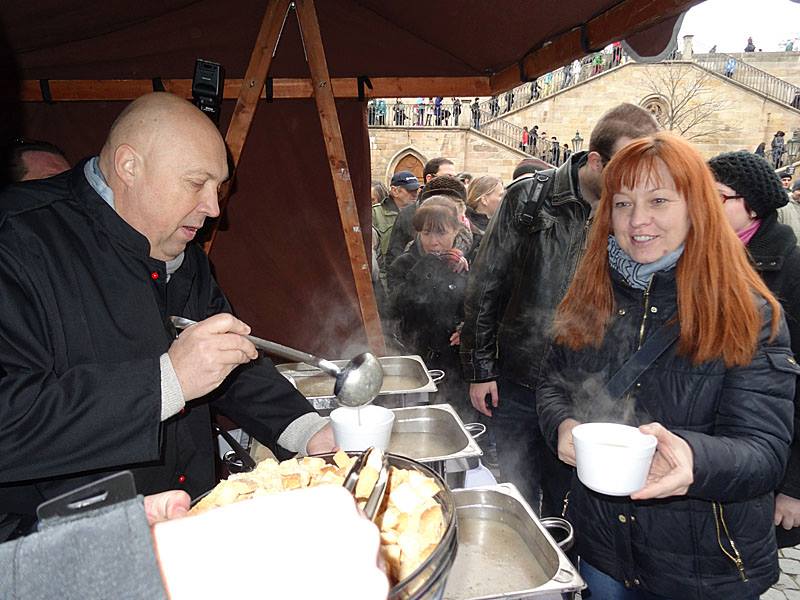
(752, 177)
(444, 185)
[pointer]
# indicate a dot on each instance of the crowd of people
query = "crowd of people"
(438, 112)
(569, 276)
(530, 297)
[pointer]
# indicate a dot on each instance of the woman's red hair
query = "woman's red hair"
(717, 286)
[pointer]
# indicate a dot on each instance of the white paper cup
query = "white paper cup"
(375, 428)
(612, 459)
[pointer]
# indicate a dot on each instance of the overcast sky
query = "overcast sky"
(728, 23)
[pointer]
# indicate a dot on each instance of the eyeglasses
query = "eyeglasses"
(725, 197)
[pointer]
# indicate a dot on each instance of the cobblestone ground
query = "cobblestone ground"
(788, 586)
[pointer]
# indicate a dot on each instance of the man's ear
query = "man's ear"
(127, 164)
(595, 161)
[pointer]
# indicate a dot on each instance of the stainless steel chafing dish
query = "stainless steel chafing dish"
(435, 436)
(504, 551)
(406, 382)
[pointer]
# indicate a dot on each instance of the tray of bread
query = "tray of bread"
(417, 518)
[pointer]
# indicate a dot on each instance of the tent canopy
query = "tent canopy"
(281, 255)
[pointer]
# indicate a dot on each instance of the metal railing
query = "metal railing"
(487, 116)
(538, 146)
(381, 113)
(746, 74)
(553, 82)
(446, 114)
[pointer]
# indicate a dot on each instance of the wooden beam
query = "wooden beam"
(340, 172)
(624, 19)
(249, 93)
(71, 90)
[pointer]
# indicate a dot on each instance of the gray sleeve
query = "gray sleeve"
(295, 437)
(107, 553)
(172, 400)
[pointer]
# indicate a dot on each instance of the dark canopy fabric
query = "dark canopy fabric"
(99, 39)
(280, 257)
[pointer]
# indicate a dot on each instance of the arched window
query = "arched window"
(657, 107)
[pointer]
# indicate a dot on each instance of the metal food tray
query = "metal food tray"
(504, 551)
(405, 381)
(431, 435)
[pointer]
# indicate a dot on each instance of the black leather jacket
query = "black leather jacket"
(738, 423)
(519, 277)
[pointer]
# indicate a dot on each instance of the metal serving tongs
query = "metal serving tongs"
(375, 498)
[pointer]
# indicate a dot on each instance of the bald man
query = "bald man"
(92, 263)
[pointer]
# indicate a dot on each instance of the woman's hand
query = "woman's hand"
(672, 470)
(455, 337)
(455, 260)
(566, 446)
(787, 511)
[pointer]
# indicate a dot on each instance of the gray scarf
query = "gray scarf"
(638, 275)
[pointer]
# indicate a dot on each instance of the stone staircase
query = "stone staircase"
(774, 88)
(494, 126)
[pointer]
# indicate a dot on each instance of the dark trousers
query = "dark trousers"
(524, 458)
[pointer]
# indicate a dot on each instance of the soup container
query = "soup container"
(359, 428)
(612, 459)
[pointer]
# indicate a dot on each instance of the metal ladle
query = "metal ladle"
(357, 384)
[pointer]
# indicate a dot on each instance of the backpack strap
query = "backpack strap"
(543, 182)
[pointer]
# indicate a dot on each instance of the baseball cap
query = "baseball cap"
(405, 179)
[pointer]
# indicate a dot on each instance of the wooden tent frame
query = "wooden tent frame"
(629, 16)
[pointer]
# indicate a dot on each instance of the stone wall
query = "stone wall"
(470, 151)
(747, 119)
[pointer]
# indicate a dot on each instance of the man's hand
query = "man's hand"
(204, 354)
(478, 393)
(166, 505)
(566, 445)
(322, 441)
(672, 470)
(787, 511)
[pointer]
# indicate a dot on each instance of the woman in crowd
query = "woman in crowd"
(427, 295)
(483, 199)
(378, 192)
(751, 195)
(718, 400)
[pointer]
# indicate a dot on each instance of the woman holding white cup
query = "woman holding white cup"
(662, 261)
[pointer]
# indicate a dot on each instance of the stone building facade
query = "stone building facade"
(745, 118)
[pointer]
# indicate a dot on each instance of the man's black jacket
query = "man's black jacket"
(82, 327)
(519, 277)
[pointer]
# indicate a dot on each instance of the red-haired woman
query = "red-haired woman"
(718, 400)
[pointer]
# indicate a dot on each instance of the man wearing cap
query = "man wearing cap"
(402, 193)
(790, 214)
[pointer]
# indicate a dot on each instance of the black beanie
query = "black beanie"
(752, 177)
